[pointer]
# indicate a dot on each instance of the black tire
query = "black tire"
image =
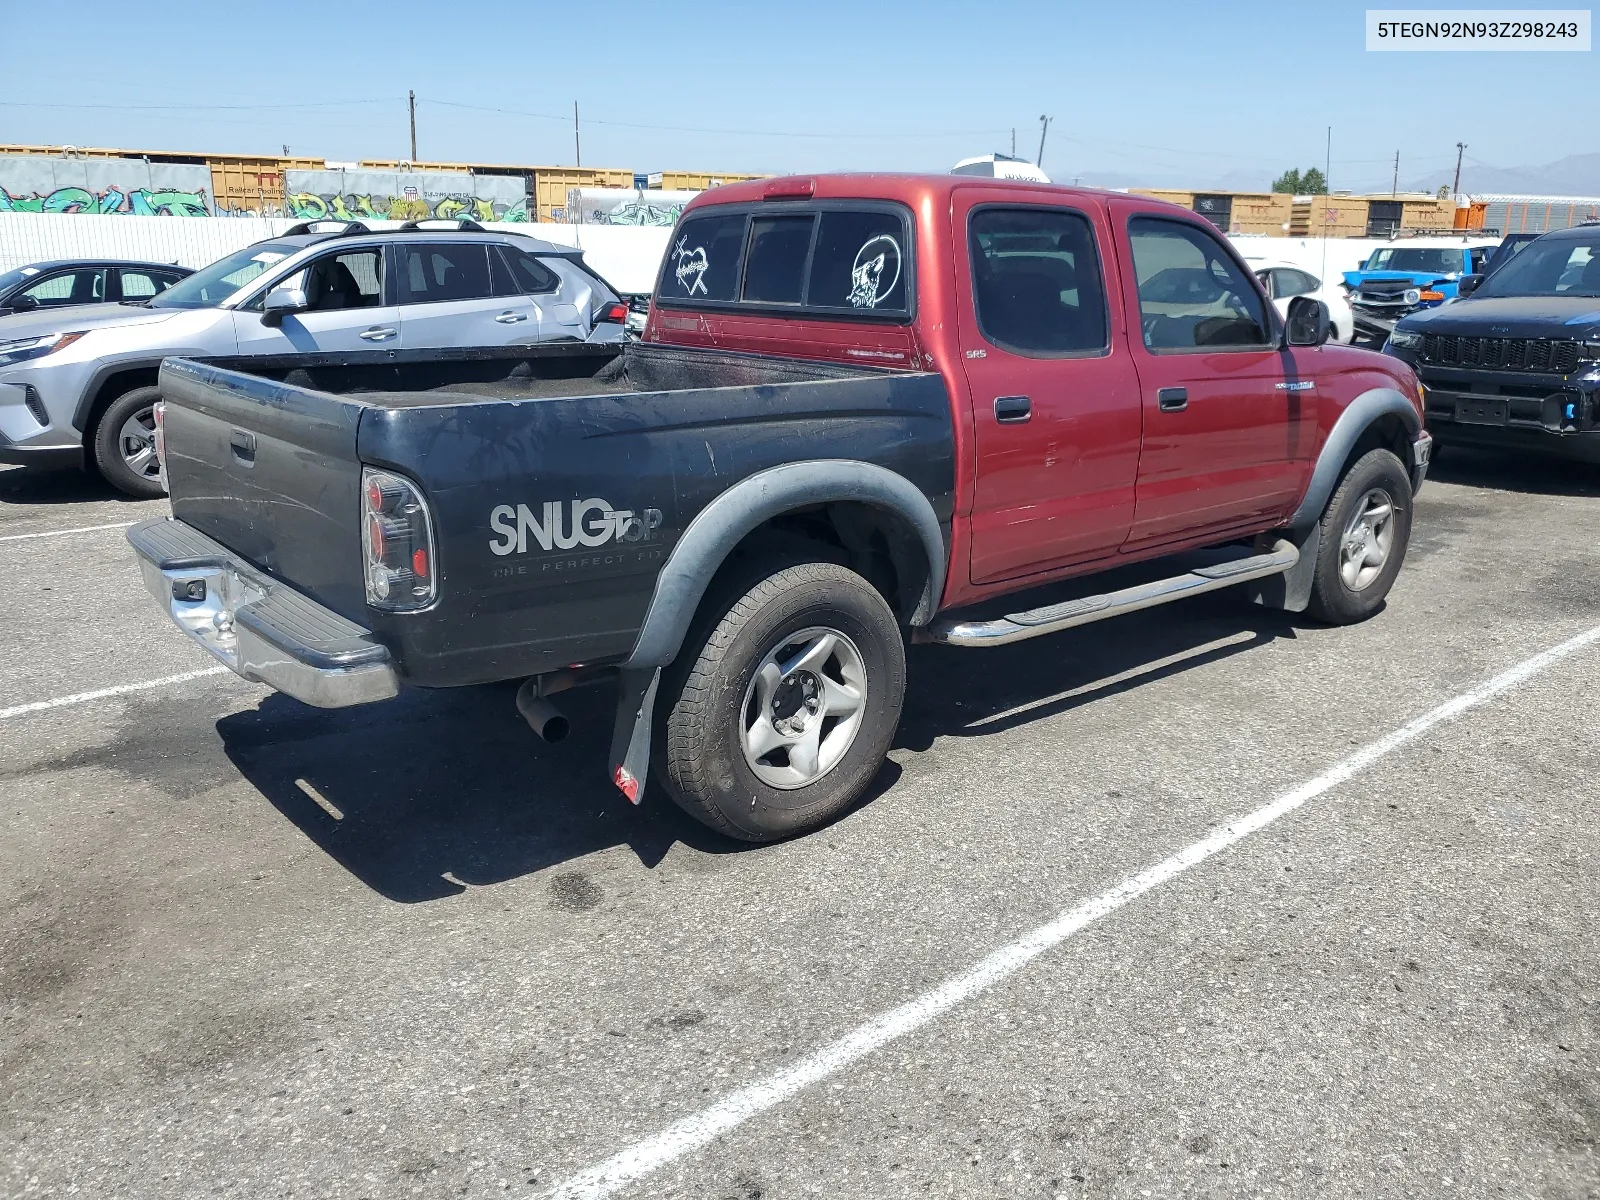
(109, 455)
(702, 713)
(1333, 598)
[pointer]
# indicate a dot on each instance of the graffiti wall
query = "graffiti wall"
(395, 196)
(126, 186)
(625, 206)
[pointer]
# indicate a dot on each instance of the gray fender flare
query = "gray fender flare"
(1292, 590)
(707, 542)
(1342, 438)
(720, 526)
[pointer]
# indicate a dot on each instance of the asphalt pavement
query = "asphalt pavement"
(253, 949)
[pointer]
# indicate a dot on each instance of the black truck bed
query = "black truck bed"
(266, 457)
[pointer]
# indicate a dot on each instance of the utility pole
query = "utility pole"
(1044, 128)
(1455, 188)
(1013, 141)
(577, 146)
(1394, 188)
(411, 101)
(1327, 189)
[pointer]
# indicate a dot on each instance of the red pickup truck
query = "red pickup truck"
(866, 408)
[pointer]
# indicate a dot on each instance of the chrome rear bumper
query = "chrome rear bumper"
(260, 628)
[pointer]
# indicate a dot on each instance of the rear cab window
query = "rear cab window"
(839, 259)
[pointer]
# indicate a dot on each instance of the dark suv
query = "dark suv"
(61, 282)
(1516, 364)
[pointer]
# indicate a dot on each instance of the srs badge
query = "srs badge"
(591, 522)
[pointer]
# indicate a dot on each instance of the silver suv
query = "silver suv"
(77, 384)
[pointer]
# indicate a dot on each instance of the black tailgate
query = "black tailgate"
(270, 471)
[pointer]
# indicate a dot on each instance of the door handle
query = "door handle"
(1172, 399)
(1012, 410)
(511, 318)
(378, 333)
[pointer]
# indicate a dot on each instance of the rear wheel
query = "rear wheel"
(1365, 531)
(782, 703)
(125, 444)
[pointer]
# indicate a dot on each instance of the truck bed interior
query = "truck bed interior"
(542, 372)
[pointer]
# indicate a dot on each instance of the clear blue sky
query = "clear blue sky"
(1157, 91)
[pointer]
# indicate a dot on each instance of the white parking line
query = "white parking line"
(697, 1130)
(23, 537)
(122, 689)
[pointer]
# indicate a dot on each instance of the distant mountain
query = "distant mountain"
(1575, 175)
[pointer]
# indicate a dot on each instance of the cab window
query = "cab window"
(704, 258)
(1192, 295)
(1037, 287)
(841, 259)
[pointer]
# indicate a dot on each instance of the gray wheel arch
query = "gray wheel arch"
(1366, 409)
(727, 520)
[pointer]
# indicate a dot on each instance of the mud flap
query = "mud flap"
(1290, 591)
(630, 736)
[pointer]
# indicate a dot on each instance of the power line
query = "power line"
(515, 112)
(189, 108)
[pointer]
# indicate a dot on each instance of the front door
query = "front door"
(1228, 425)
(1055, 399)
(345, 294)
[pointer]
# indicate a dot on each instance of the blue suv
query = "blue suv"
(1398, 280)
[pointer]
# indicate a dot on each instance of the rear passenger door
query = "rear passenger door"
(1229, 426)
(139, 283)
(1055, 399)
(557, 305)
(461, 293)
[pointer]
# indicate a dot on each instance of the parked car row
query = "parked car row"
(78, 382)
(1514, 363)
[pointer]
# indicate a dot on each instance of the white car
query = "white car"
(1284, 280)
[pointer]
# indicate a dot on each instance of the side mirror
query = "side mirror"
(1468, 285)
(23, 304)
(1307, 324)
(282, 301)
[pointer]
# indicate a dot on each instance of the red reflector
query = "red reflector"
(628, 785)
(419, 563)
(374, 496)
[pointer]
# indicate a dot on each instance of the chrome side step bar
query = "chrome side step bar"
(1017, 627)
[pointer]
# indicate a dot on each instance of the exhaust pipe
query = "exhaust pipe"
(541, 716)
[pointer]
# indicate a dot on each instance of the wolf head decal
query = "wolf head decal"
(875, 273)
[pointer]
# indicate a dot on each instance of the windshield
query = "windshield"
(10, 279)
(1550, 267)
(210, 286)
(1416, 258)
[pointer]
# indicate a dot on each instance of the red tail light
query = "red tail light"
(398, 543)
(614, 312)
